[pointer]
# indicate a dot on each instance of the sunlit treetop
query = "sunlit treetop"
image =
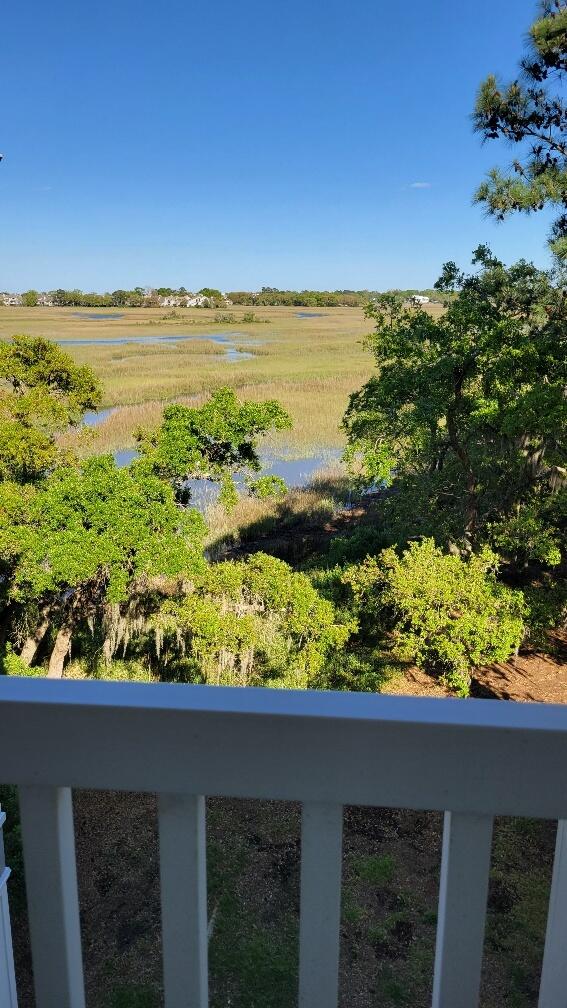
(530, 112)
(42, 393)
(96, 529)
(470, 403)
(208, 441)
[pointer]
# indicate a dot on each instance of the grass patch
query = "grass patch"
(252, 967)
(134, 996)
(518, 898)
(253, 955)
(377, 870)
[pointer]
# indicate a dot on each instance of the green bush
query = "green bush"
(527, 537)
(362, 542)
(266, 487)
(361, 671)
(12, 664)
(228, 496)
(547, 610)
(117, 670)
(446, 614)
(251, 316)
(13, 847)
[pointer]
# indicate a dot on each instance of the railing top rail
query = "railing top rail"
(342, 706)
(489, 757)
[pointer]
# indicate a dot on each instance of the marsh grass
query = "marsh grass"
(254, 520)
(310, 365)
(316, 408)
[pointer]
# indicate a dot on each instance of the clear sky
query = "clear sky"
(310, 143)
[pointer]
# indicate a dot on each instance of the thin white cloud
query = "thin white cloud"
(420, 185)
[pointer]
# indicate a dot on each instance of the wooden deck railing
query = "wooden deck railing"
(471, 759)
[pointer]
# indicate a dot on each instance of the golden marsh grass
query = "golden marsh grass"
(311, 365)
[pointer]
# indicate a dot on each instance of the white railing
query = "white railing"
(473, 759)
(7, 979)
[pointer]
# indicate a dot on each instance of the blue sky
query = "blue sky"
(247, 144)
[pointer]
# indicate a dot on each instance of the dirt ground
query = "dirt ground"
(532, 677)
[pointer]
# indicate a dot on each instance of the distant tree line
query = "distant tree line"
(318, 299)
(136, 298)
(213, 297)
(302, 299)
(117, 299)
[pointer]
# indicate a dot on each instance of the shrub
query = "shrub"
(547, 610)
(267, 486)
(13, 847)
(134, 996)
(363, 671)
(527, 537)
(362, 542)
(118, 670)
(251, 316)
(446, 614)
(228, 496)
(12, 664)
(379, 870)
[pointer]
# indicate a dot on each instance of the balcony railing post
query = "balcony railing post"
(8, 997)
(183, 873)
(553, 987)
(53, 906)
(320, 904)
(465, 866)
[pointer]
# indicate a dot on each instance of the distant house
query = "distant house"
(182, 301)
(419, 299)
(45, 300)
(11, 299)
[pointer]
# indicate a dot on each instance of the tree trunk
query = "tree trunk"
(31, 644)
(60, 652)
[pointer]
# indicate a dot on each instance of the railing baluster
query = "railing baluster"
(183, 874)
(53, 906)
(553, 987)
(8, 997)
(319, 932)
(465, 867)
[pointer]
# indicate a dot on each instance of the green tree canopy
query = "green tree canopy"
(209, 441)
(87, 537)
(42, 392)
(212, 293)
(467, 411)
(530, 113)
(30, 298)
